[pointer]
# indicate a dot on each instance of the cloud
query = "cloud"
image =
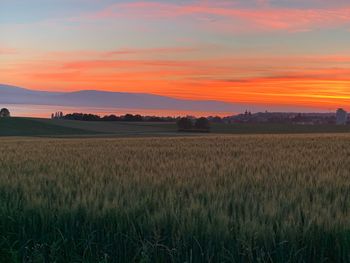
(123, 52)
(227, 15)
(142, 51)
(7, 51)
(307, 80)
(303, 80)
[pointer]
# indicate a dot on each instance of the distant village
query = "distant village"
(340, 118)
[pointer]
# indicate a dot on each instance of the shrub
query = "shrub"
(202, 124)
(4, 112)
(184, 124)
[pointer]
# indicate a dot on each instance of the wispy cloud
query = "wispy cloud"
(8, 51)
(235, 50)
(301, 80)
(227, 15)
(140, 52)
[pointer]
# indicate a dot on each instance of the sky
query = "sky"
(260, 52)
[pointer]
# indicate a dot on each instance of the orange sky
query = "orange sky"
(258, 52)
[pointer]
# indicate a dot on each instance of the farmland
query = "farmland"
(219, 198)
(35, 127)
(63, 128)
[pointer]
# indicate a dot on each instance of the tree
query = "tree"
(184, 124)
(130, 117)
(4, 112)
(111, 118)
(82, 117)
(202, 124)
(216, 119)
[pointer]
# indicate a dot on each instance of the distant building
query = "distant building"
(342, 117)
(4, 113)
(283, 118)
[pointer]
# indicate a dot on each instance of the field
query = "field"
(227, 198)
(66, 128)
(33, 127)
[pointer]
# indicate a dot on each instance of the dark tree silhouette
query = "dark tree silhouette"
(216, 119)
(4, 112)
(127, 117)
(184, 124)
(202, 124)
(111, 118)
(82, 117)
(130, 117)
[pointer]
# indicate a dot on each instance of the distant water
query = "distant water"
(44, 111)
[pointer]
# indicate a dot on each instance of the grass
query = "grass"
(69, 128)
(256, 198)
(168, 128)
(118, 128)
(34, 127)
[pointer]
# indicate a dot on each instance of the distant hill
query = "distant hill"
(93, 98)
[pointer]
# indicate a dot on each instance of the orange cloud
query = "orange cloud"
(317, 81)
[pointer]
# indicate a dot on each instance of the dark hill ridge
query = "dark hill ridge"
(93, 98)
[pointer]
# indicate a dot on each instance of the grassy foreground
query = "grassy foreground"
(273, 198)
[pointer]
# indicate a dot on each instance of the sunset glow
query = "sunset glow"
(277, 52)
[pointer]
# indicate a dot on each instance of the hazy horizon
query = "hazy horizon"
(31, 103)
(45, 111)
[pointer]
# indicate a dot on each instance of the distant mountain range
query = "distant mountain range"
(103, 99)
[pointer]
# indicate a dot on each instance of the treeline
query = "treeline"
(126, 117)
(185, 124)
(193, 125)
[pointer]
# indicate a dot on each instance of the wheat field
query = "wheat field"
(234, 198)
